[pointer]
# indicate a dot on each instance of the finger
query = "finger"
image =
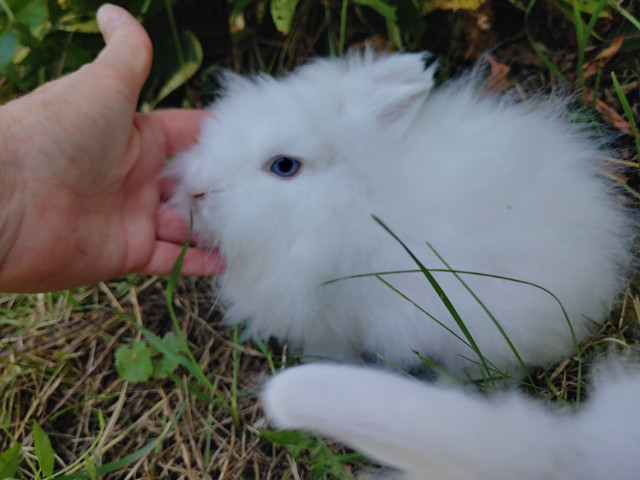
(181, 127)
(129, 51)
(172, 227)
(167, 186)
(197, 261)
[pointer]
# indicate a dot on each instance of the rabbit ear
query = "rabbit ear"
(399, 85)
(422, 430)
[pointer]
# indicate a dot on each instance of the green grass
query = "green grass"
(195, 413)
(491, 376)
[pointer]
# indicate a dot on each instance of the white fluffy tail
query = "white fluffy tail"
(428, 431)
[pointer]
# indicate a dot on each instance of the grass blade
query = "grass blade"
(489, 314)
(234, 377)
(583, 32)
(192, 364)
(467, 272)
(343, 27)
(5, 8)
(625, 14)
(548, 63)
(582, 41)
(379, 277)
(264, 348)
(594, 18)
(628, 113)
(443, 297)
(129, 459)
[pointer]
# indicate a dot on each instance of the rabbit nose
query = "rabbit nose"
(198, 195)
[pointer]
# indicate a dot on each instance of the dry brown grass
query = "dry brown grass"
(56, 366)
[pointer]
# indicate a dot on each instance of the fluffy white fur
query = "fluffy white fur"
(430, 432)
(494, 186)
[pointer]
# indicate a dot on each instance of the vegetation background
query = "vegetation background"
(136, 377)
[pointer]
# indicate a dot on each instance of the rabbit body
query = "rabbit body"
(494, 186)
(430, 432)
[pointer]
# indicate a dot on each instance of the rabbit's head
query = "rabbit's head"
(282, 175)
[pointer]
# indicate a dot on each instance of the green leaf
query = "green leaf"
(294, 441)
(169, 362)
(73, 22)
(134, 363)
(454, 5)
(191, 61)
(34, 14)
(44, 452)
(583, 6)
(8, 45)
(9, 461)
(189, 362)
(384, 9)
(282, 12)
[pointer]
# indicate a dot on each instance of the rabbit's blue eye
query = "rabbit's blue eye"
(285, 166)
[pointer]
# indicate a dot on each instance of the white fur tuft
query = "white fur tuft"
(430, 432)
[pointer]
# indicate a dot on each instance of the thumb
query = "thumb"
(129, 51)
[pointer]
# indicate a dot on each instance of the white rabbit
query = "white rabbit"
(430, 432)
(288, 172)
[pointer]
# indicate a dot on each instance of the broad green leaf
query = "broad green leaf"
(34, 14)
(134, 363)
(9, 461)
(168, 363)
(383, 8)
(282, 12)
(192, 60)
(72, 22)
(8, 45)
(44, 452)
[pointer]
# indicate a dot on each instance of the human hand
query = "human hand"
(80, 194)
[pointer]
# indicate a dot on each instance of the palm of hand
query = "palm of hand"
(86, 195)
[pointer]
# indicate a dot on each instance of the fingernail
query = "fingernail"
(109, 17)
